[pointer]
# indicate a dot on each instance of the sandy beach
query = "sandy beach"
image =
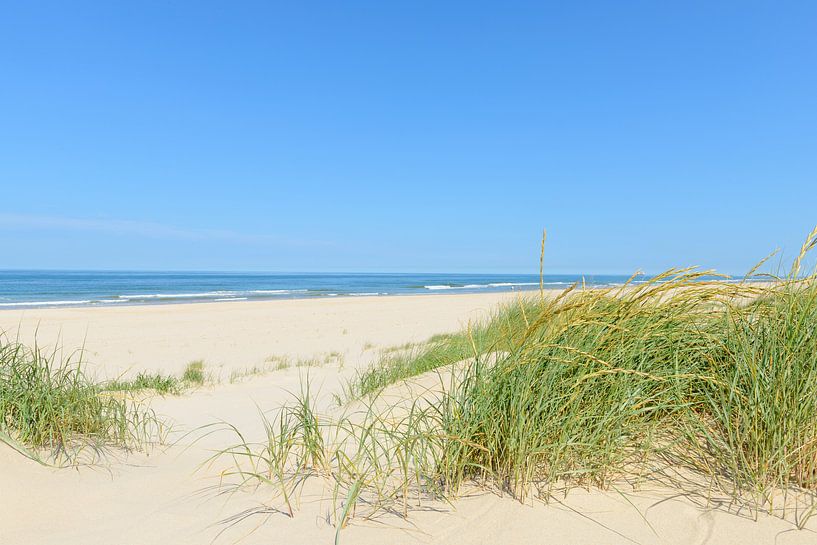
(171, 495)
(233, 336)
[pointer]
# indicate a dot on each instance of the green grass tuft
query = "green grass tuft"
(50, 405)
(162, 384)
(194, 373)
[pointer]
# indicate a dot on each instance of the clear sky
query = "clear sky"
(406, 136)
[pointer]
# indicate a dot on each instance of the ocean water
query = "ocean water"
(31, 289)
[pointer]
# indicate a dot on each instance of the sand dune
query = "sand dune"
(168, 497)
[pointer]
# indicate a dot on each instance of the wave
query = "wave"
(137, 296)
(45, 303)
(456, 287)
(482, 286)
(276, 292)
(207, 294)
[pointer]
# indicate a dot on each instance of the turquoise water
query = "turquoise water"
(25, 289)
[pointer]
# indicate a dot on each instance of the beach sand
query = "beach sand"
(169, 496)
(231, 336)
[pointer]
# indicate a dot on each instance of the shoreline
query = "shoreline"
(70, 305)
(279, 300)
(250, 296)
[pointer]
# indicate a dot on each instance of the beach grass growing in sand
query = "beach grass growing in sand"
(158, 382)
(705, 385)
(194, 373)
(401, 362)
(192, 376)
(49, 405)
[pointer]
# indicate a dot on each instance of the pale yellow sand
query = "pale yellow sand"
(237, 335)
(165, 498)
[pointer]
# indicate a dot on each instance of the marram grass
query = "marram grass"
(192, 376)
(49, 406)
(714, 379)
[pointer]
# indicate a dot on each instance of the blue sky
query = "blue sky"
(416, 136)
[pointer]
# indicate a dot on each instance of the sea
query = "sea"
(33, 289)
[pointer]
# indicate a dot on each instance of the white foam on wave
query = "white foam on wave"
(136, 296)
(43, 303)
(483, 286)
(230, 299)
(276, 292)
(450, 287)
(209, 294)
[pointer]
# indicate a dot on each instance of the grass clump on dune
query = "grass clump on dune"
(591, 386)
(50, 405)
(194, 373)
(161, 384)
(613, 383)
(712, 382)
(608, 383)
(192, 376)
